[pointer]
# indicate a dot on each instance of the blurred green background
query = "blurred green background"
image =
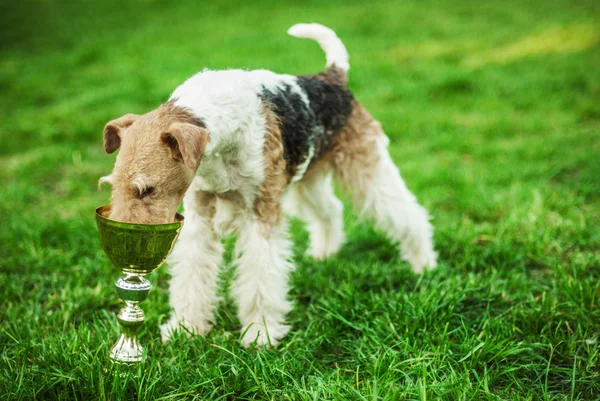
(493, 113)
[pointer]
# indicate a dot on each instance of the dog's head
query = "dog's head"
(160, 152)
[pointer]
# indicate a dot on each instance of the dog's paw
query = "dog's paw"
(263, 336)
(325, 249)
(320, 253)
(168, 329)
(421, 261)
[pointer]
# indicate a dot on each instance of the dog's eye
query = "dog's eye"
(146, 192)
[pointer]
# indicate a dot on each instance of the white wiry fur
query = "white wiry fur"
(194, 263)
(395, 210)
(334, 49)
(301, 168)
(261, 286)
(313, 200)
(226, 220)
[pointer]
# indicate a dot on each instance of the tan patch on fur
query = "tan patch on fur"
(333, 75)
(205, 204)
(267, 206)
(234, 197)
(144, 154)
(354, 155)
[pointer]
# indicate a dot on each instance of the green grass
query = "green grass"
(493, 110)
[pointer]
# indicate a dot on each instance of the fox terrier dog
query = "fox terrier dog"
(241, 147)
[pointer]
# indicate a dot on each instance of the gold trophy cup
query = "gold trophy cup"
(136, 250)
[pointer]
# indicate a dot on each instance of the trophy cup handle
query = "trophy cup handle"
(132, 289)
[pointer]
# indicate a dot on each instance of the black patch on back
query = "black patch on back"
(296, 122)
(331, 104)
(303, 126)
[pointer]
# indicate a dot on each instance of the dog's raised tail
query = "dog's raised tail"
(335, 51)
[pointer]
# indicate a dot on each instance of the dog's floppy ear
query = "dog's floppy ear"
(113, 130)
(186, 142)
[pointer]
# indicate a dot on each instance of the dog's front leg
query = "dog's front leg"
(263, 252)
(194, 267)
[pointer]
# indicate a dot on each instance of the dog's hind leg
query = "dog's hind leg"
(362, 163)
(312, 199)
(194, 266)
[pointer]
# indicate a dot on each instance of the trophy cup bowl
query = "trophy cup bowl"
(136, 250)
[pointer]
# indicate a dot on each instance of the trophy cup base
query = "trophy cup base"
(127, 350)
(132, 289)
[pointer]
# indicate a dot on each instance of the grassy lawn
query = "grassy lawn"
(493, 110)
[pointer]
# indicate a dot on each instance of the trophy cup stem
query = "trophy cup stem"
(132, 289)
